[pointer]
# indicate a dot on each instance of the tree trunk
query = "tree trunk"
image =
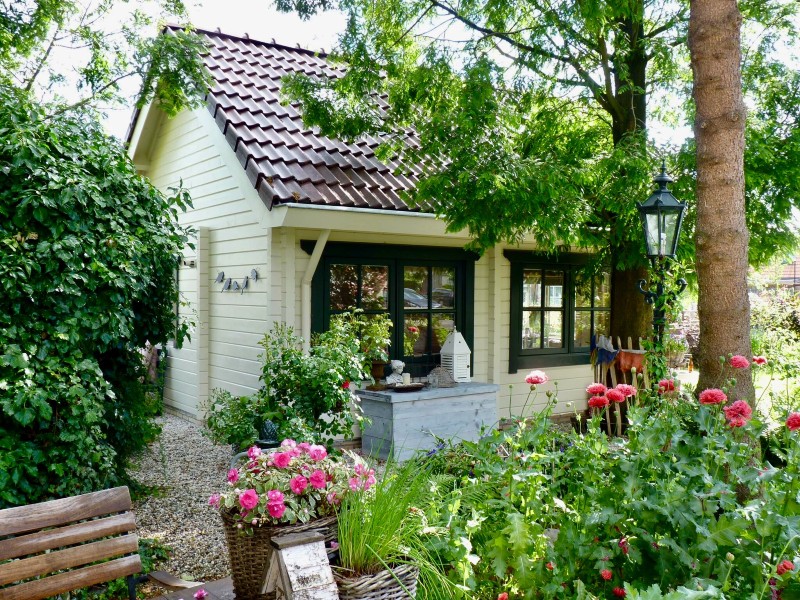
(721, 236)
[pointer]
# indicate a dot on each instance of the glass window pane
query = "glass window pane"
(442, 326)
(531, 329)
(415, 335)
(443, 283)
(583, 292)
(583, 329)
(602, 322)
(374, 287)
(531, 288)
(554, 288)
(415, 287)
(553, 329)
(602, 291)
(344, 286)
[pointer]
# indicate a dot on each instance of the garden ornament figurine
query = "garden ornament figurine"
(396, 377)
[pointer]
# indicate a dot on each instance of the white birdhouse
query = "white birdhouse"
(456, 356)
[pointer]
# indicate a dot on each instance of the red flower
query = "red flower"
(784, 566)
(623, 545)
(666, 385)
(598, 401)
(615, 395)
(596, 389)
(536, 377)
(413, 329)
(502, 596)
(627, 390)
(549, 566)
(346, 385)
(739, 362)
(619, 592)
(713, 396)
(738, 413)
(793, 422)
(606, 574)
(759, 360)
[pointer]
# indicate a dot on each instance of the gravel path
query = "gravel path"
(187, 468)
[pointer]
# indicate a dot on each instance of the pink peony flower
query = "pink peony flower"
(317, 453)
(666, 385)
(738, 413)
(282, 459)
(713, 396)
(596, 389)
(627, 390)
(598, 402)
(253, 452)
(739, 362)
(619, 592)
(213, 500)
(793, 422)
(200, 594)
(248, 499)
(233, 476)
(275, 496)
(784, 566)
(606, 574)
(318, 480)
(276, 509)
(298, 484)
(759, 360)
(536, 377)
(615, 395)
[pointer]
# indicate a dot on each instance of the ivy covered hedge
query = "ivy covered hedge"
(87, 259)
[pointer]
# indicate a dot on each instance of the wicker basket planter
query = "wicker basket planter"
(250, 554)
(379, 586)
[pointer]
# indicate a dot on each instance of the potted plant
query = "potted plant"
(373, 332)
(286, 490)
(382, 552)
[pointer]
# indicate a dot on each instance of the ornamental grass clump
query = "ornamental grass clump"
(295, 483)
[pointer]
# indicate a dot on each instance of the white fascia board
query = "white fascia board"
(136, 136)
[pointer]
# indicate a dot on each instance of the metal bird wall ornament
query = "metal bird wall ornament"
(227, 285)
(220, 277)
(231, 284)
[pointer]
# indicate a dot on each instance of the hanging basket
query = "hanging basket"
(378, 586)
(250, 554)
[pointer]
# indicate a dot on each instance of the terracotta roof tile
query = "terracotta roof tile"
(284, 160)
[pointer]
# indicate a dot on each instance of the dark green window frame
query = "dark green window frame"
(568, 354)
(397, 257)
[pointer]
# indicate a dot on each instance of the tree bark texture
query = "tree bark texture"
(721, 236)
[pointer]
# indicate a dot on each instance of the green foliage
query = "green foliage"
(373, 333)
(87, 278)
(234, 420)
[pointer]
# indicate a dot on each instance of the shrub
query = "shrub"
(87, 278)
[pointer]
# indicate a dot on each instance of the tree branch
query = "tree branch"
(88, 99)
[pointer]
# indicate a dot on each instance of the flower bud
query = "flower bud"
(729, 557)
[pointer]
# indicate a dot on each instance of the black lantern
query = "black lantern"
(662, 216)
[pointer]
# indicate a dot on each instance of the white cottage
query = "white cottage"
(323, 225)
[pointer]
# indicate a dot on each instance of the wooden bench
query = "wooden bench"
(63, 545)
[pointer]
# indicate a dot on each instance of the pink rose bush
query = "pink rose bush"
(294, 483)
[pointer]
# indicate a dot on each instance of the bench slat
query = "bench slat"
(77, 533)
(69, 558)
(24, 519)
(64, 582)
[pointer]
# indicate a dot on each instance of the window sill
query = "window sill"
(548, 360)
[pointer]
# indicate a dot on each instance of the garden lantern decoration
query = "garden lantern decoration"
(662, 216)
(456, 356)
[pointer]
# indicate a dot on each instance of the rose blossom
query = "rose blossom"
(253, 452)
(333, 498)
(793, 422)
(213, 500)
(354, 483)
(712, 396)
(318, 479)
(282, 459)
(298, 484)
(200, 594)
(738, 413)
(619, 592)
(627, 389)
(303, 447)
(276, 509)
(598, 402)
(596, 389)
(606, 574)
(784, 566)
(666, 385)
(615, 395)
(317, 452)
(248, 499)
(275, 496)
(739, 362)
(502, 596)
(233, 476)
(759, 360)
(536, 377)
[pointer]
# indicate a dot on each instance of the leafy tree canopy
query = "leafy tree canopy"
(533, 116)
(86, 278)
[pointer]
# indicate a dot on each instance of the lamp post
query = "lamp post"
(662, 216)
